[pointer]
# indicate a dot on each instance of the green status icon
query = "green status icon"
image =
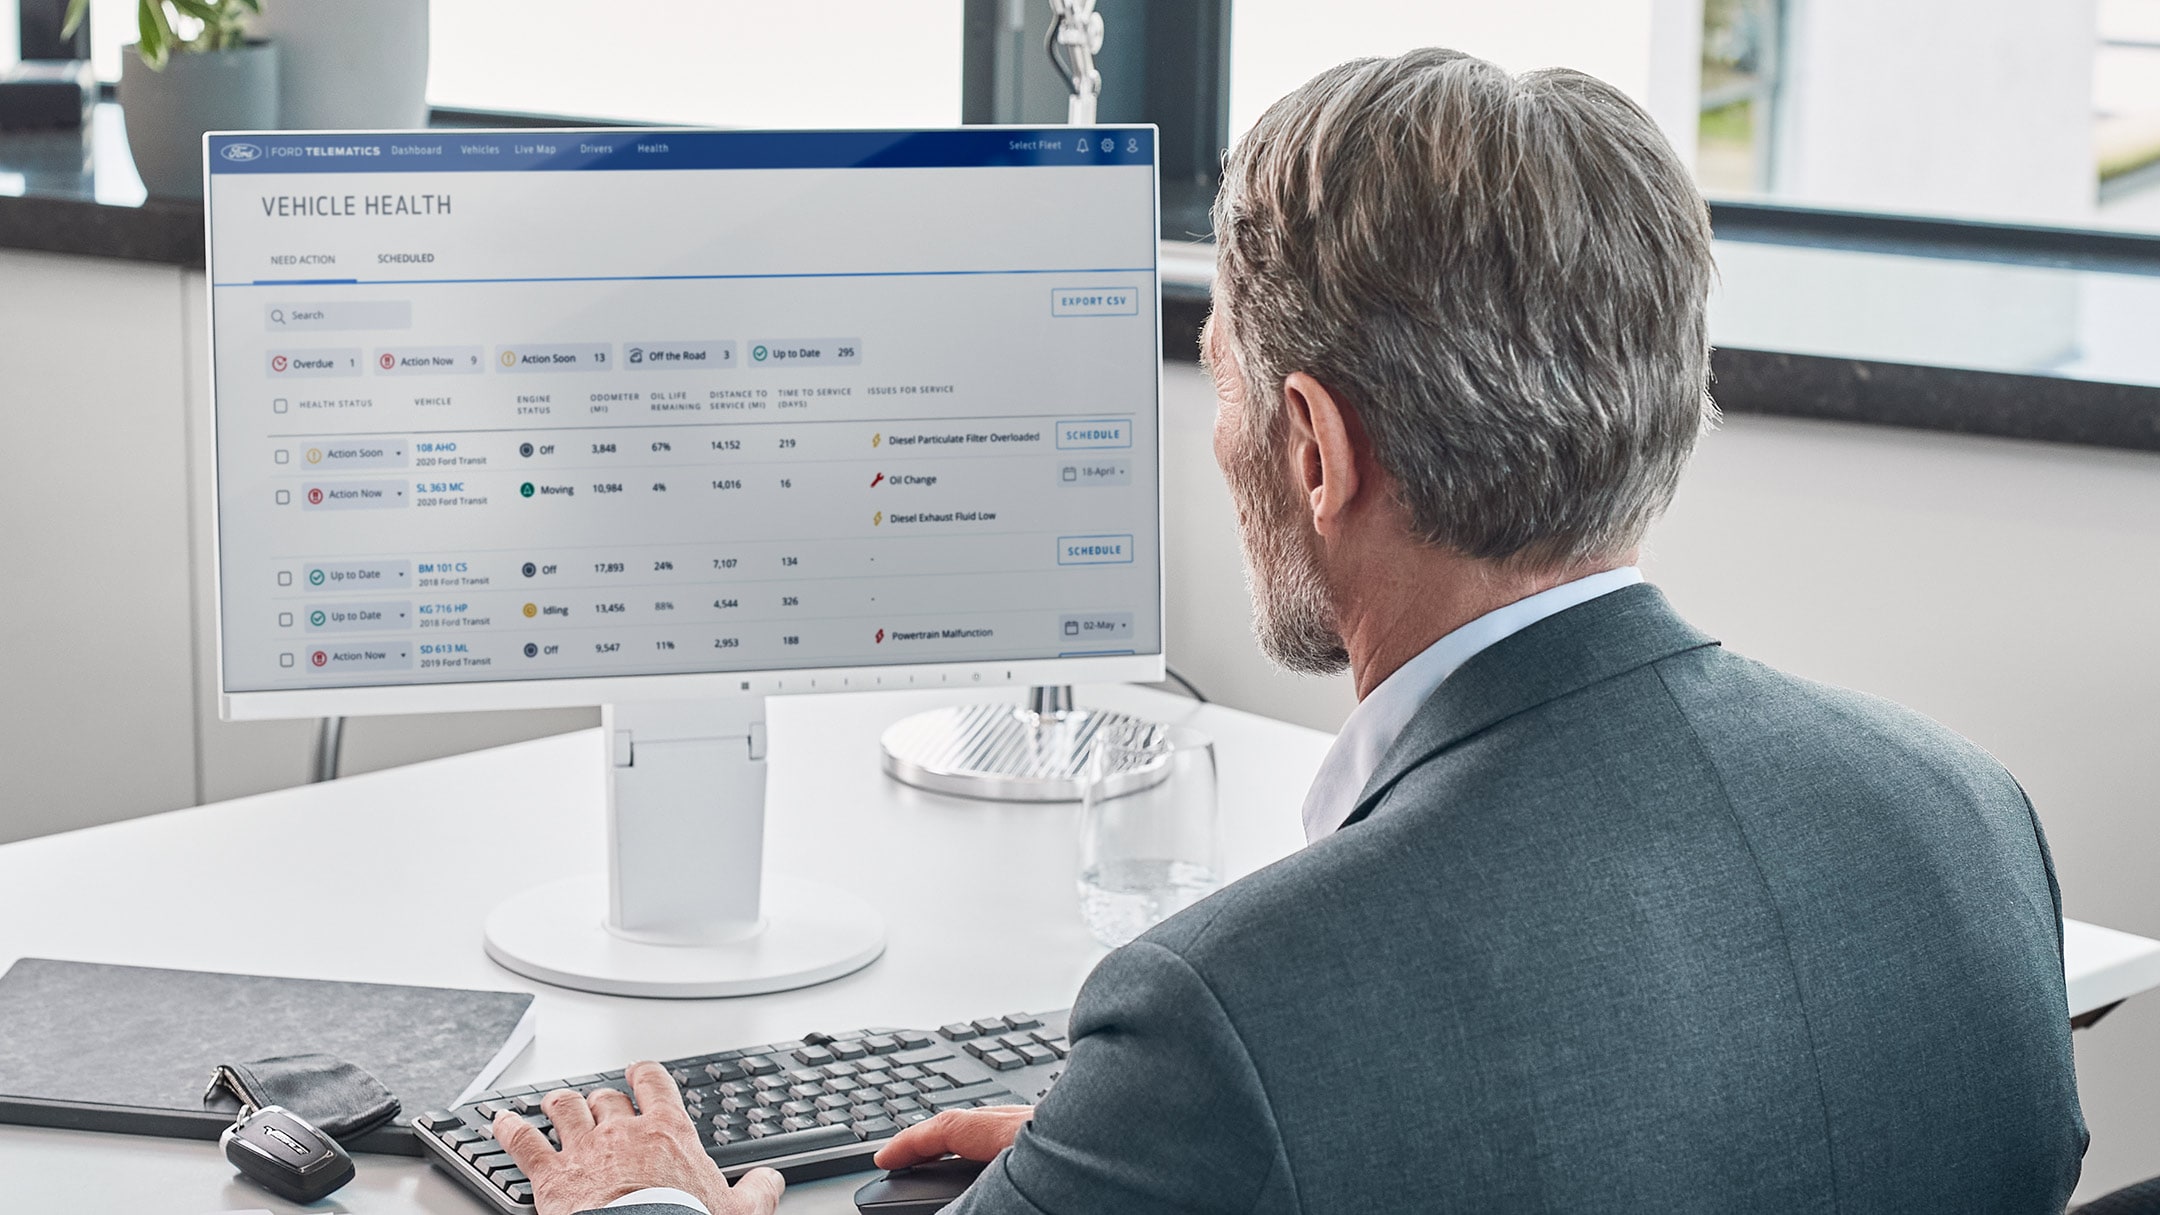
(316, 618)
(314, 577)
(757, 354)
(526, 489)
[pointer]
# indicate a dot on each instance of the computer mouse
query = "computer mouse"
(918, 1190)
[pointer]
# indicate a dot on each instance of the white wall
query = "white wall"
(1960, 107)
(1649, 49)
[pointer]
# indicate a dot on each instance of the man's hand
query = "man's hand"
(970, 1134)
(610, 1149)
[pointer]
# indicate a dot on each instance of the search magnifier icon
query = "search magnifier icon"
(277, 316)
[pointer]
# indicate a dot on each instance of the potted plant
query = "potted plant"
(193, 69)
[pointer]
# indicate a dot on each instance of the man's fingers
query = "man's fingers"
(568, 1111)
(657, 1096)
(609, 1104)
(761, 1188)
(526, 1145)
(972, 1134)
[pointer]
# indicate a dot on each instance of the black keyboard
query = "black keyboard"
(818, 1106)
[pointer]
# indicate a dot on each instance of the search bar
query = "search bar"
(289, 317)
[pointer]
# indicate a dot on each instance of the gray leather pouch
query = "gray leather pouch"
(340, 1098)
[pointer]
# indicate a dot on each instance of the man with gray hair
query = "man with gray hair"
(1596, 914)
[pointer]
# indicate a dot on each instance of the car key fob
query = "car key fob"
(284, 1154)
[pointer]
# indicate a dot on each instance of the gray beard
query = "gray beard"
(1293, 614)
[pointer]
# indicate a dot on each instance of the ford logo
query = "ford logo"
(240, 151)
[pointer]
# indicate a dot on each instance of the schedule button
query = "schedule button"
(1088, 433)
(1095, 550)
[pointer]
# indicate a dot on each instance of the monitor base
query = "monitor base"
(557, 934)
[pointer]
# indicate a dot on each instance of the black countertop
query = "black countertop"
(77, 193)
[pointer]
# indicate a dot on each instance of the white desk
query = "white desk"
(979, 898)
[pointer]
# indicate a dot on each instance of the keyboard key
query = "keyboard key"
(842, 1068)
(521, 1192)
(849, 1050)
(798, 1108)
(914, 1116)
(1022, 1021)
(832, 1101)
(1003, 1060)
(1035, 1053)
(763, 1065)
(806, 1092)
(505, 1178)
(881, 1044)
(788, 1144)
(932, 1084)
(912, 1039)
(986, 1092)
(814, 1056)
(478, 1148)
(765, 1084)
(833, 1118)
(726, 1069)
(798, 1122)
(488, 1109)
(440, 1121)
(864, 1113)
(928, 1054)
(803, 1075)
(989, 1025)
(494, 1161)
(764, 1128)
(959, 1031)
(737, 1088)
(876, 1128)
(581, 1081)
(982, 1047)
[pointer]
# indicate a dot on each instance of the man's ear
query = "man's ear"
(1323, 450)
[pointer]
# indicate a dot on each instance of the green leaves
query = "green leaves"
(221, 25)
(76, 11)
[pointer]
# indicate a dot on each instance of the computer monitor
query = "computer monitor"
(670, 421)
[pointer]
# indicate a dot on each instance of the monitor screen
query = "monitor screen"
(541, 407)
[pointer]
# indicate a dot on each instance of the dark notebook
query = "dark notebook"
(131, 1048)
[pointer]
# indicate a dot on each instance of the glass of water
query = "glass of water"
(1150, 839)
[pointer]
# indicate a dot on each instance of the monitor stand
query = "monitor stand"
(682, 911)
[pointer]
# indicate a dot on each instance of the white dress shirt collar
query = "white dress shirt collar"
(1373, 726)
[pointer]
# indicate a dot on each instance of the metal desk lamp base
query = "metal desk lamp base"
(1035, 752)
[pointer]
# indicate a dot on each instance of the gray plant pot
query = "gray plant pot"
(168, 111)
(349, 64)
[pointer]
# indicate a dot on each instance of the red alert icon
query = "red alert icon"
(277, 363)
(314, 497)
(319, 658)
(874, 481)
(881, 636)
(388, 360)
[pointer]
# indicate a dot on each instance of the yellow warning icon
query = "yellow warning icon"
(509, 358)
(531, 610)
(877, 438)
(878, 520)
(314, 455)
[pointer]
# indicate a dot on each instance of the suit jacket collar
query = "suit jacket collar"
(1609, 636)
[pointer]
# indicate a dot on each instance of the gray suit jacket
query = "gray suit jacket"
(1624, 922)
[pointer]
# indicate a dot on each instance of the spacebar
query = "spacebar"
(772, 1147)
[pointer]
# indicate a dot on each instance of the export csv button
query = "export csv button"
(1094, 301)
(1095, 550)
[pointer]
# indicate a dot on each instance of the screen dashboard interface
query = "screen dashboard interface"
(539, 405)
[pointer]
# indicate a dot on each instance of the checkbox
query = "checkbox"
(284, 620)
(278, 406)
(284, 496)
(284, 660)
(284, 578)
(283, 456)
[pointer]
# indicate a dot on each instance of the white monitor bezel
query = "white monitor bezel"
(584, 691)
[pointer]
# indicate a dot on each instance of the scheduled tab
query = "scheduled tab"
(429, 360)
(558, 356)
(679, 356)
